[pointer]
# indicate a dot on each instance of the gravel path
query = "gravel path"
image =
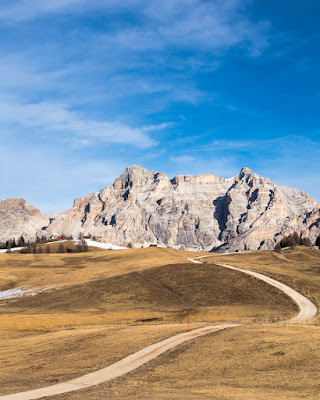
(307, 311)
(119, 368)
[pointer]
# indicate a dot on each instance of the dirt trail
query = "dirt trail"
(119, 368)
(307, 309)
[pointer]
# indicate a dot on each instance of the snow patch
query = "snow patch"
(106, 246)
(14, 249)
(23, 291)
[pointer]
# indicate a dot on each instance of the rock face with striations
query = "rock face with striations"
(191, 212)
(18, 218)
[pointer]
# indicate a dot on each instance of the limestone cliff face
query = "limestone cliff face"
(191, 212)
(18, 218)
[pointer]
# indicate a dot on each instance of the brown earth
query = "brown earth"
(109, 312)
(247, 363)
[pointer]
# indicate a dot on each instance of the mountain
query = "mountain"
(201, 212)
(191, 212)
(18, 218)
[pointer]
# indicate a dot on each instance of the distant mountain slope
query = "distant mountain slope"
(193, 212)
(18, 218)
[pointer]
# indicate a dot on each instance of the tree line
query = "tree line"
(37, 246)
(294, 240)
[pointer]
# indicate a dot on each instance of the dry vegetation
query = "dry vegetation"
(113, 303)
(246, 363)
(298, 268)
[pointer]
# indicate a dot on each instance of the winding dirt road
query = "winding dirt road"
(307, 311)
(119, 368)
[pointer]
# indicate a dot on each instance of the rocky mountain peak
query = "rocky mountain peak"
(190, 212)
(18, 218)
(245, 172)
(133, 176)
(17, 206)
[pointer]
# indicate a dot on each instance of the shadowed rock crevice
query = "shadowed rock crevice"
(200, 212)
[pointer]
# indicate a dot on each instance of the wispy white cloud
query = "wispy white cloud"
(18, 10)
(194, 24)
(124, 59)
(59, 118)
(206, 25)
(182, 159)
(277, 143)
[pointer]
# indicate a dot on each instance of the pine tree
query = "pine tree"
(306, 242)
(277, 248)
(21, 242)
(296, 239)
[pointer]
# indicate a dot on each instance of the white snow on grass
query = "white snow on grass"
(91, 243)
(14, 249)
(106, 246)
(23, 291)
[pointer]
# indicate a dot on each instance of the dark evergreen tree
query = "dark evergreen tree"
(21, 242)
(306, 242)
(296, 239)
(277, 248)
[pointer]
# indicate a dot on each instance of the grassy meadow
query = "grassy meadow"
(108, 304)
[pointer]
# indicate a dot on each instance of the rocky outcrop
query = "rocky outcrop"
(201, 212)
(191, 212)
(18, 218)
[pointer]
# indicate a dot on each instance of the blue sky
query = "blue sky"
(88, 88)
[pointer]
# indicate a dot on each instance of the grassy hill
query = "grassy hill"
(112, 303)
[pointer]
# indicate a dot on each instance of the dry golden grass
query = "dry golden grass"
(298, 268)
(245, 363)
(42, 270)
(69, 244)
(32, 359)
(171, 293)
(101, 314)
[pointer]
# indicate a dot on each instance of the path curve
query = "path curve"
(308, 310)
(119, 368)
